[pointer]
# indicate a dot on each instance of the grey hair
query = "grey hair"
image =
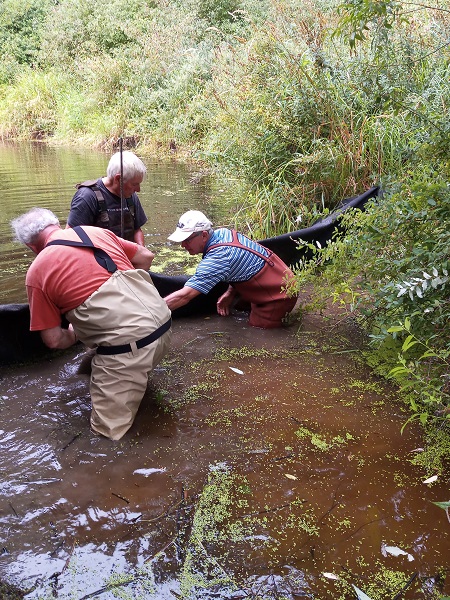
(132, 166)
(28, 226)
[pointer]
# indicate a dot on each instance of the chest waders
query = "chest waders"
(106, 262)
(269, 301)
(105, 219)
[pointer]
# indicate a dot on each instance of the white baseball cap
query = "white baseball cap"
(189, 223)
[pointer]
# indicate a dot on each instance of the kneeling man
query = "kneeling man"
(253, 272)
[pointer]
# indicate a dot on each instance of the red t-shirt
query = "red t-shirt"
(62, 277)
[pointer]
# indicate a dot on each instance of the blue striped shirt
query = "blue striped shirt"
(226, 263)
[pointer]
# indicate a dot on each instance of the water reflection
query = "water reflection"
(38, 175)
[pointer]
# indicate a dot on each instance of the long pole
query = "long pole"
(122, 207)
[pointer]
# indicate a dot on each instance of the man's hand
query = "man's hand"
(181, 297)
(58, 338)
(225, 301)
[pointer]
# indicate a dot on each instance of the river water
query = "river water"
(260, 464)
(38, 175)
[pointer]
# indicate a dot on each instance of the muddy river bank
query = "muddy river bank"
(262, 464)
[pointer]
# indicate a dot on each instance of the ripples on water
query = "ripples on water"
(38, 175)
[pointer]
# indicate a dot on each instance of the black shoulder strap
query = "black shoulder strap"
(131, 206)
(101, 199)
(102, 257)
(92, 183)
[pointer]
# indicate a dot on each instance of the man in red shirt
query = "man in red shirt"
(100, 282)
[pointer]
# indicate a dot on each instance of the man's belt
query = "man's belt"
(139, 344)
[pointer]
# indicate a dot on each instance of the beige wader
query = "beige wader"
(125, 309)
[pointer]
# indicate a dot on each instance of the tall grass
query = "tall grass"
(262, 91)
(29, 109)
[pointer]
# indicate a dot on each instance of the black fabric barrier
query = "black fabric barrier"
(19, 344)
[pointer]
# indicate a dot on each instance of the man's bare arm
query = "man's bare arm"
(181, 297)
(139, 237)
(143, 258)
(58, 338)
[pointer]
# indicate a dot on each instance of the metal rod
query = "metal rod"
(122, 207)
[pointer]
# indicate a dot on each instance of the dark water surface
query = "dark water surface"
(323, 482)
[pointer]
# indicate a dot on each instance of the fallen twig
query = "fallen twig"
(405, 587)
(163, 514)
(72, 440)
(269, 510)
(163, 549)
(121, 497)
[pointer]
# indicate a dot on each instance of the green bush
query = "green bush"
(21, 26)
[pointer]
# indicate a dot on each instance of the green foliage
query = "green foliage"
(436, 454)
(77, 29)
(303, 123)
(21, 25)
(423, 374)
(219, 13)
(30, 107)
(391, 269)
(361, 16)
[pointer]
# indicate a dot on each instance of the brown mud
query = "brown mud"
(323, 480)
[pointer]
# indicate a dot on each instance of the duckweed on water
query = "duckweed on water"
(225, 353)
(320, 442)
(207, 563)
(174, 260)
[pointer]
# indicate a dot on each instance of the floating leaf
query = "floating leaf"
(290, 476)
(148, 472)
(361, 595)
(238, 371)
(443, 505)
(395, 551)
(430, 479)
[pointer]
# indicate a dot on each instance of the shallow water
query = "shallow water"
(323, 481)
(38, 175)
(78, 509)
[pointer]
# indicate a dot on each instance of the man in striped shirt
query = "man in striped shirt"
(253, 272)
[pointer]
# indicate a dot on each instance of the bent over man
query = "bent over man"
(101, 284)
(254, 273)
(98, 202)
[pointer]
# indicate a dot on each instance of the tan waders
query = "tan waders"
(116, 318)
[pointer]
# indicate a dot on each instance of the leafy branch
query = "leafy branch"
(428, 390)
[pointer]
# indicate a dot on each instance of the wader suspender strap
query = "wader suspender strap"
(235, 243)
(102, 257)
(104, 216)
